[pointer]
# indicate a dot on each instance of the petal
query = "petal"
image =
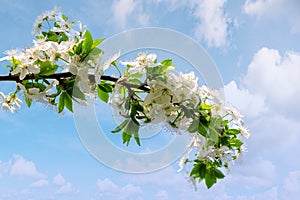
(23, 74)
(2, 96)
(16, 71)
(33, 90)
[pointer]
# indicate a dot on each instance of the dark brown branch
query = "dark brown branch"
(60, 76)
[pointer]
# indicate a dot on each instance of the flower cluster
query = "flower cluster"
(176, 99)
(58, 48)
(65, 65)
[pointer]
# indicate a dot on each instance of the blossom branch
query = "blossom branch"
(60, 76)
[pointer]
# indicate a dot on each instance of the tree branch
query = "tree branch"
(60, 76)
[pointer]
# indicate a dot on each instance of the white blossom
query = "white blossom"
(10, 102)
(142, 61)
(102, 66)
(24, 69)
(182, 162)
(48, 15)
(244, 131)
(235, 114)
(37, 94)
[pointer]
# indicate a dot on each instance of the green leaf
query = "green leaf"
(87, 42)
(194, 126)
(63, 37)
(233, 131)
(235, 143)
(78, 48)
(76, 92)
(102, 95)
(136, 75)
(126, 138)
(137, 140)
(202, 170)
(218, 173)
(121, 126)
(106, 87)
(199, 170)
(131, 129)
(213, 134)
(64, 17)
(94, 54)
(47, 68)
(61, 102)
(210, 178)
(167, 62)
(68, 102)
(97, 42)
(157, 71)
(202, 129)
(27, 101)
(206, 107)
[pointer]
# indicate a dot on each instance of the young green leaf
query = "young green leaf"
(202, 129)
(68, 102)
(102, 95)
(87, 43)
(194, 126)
(233, 131)
(213, 134)
(76, 92)
(121, 126)
(61, 102)
(27, 101)
(126, 138)
(106, 87)
(47, 68)
(218, 173)
(131, 129)
(167, 62)
(97, 42)
(210, 178)
(205, 107)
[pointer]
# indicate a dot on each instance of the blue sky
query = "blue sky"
(254, 43)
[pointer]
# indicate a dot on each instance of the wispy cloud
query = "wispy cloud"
(39, 183)
(107, 189)
(212, 26)
(24, 168)
(65, 187)
(273, 9)
(128, 11)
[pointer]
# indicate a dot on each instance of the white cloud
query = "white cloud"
(257, 7)
(277, 78)
(213, 22)
(249, 104)
(106, 185)
(59, 179)
(109, 190)
(275, 9)
(23, 168)
(128, 11)
(67, 188)
(286, 190)
(254, 173)
(39, 183)
(291, 186)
